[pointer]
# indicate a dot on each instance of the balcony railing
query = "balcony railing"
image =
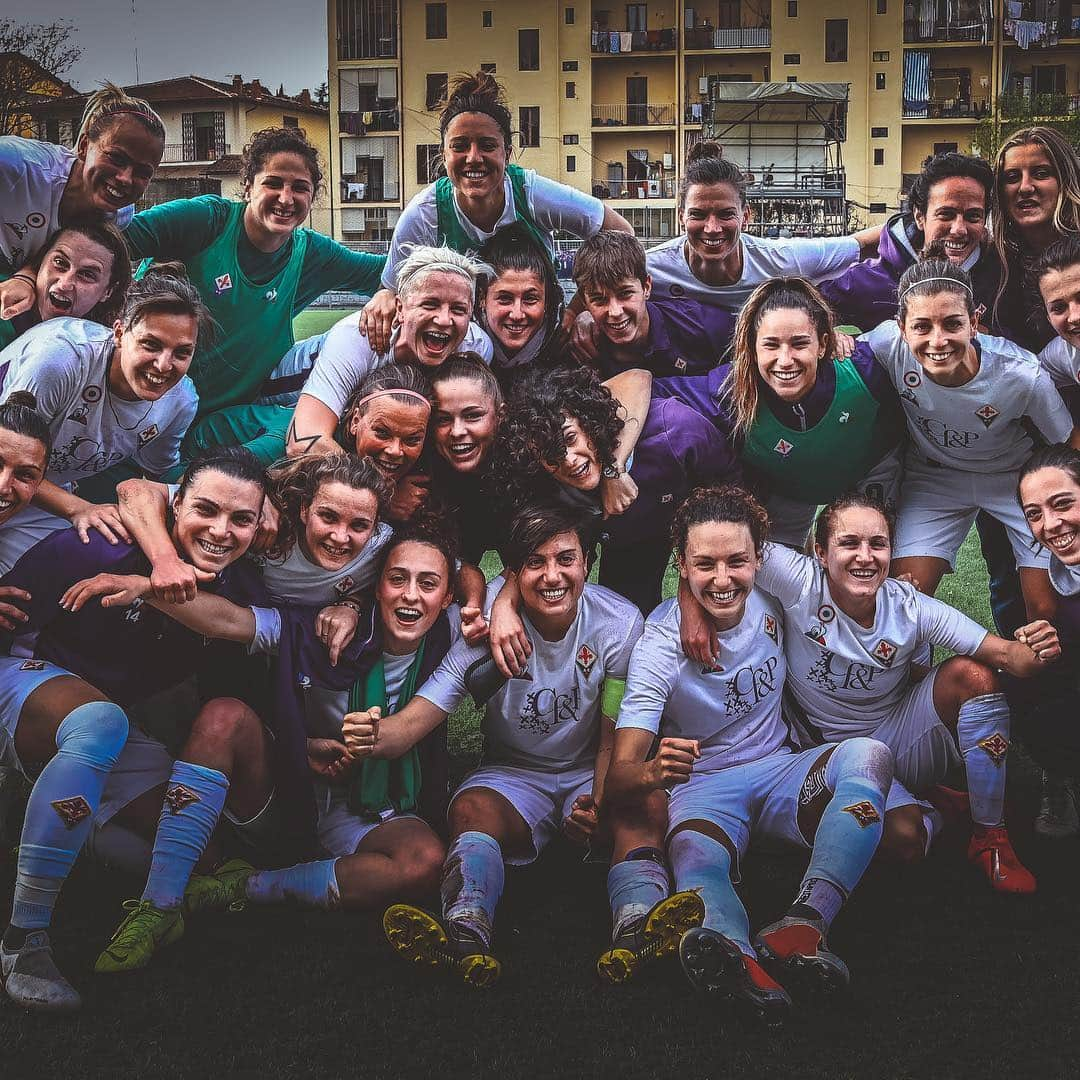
(650, 115)
(697, 113)
(633, 41)
(736, 37)
(178, 154)
(360, 123)
(1022, 106)
(953, 108)
(633, 189)
(360, 191)
(771, 182)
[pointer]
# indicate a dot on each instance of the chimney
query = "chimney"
(304, 97)
(257, 88)
(238, 84)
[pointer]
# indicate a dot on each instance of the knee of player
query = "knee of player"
(904, 839)
(422, 865)
(470, 812)
(224, 720)
(972, 677)
(101, 723)
(861, 758)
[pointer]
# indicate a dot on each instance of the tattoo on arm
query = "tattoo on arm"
(306, 441)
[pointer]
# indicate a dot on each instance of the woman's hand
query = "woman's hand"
(674, 762)
(329, 759)
(17, 296)
(617, 493)
(510, 645)
(699, 638)
(335, 627)
(410, 494)
(360, 730)
(584, 336)
(377, 319)
(11, 616)
(104, 517)
(474, 627)
(175, 581)
(845, 345)
(583, 821)
(1042, 639)
(266, 535)
(115, 590)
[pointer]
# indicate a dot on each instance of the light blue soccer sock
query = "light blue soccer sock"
(62, 805)
(472, 883)
(635, 886)
(313, 884)
(859, 773)
(982, 729)
(704, 864)
(193, 801)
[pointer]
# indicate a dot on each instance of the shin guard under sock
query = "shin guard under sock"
(982, 730)
(472, 883)
(635, 886)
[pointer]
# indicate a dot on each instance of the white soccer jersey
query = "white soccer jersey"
(977, 427)
(33, 175)
(1065, 579)
(64, 363)
(1061, 361)
(554, 207)
(346, 359)
(733, 707)
(297, 580)
(763, 259)
(846, 677)
(550, 719)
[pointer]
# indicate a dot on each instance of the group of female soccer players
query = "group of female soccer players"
(242, 592)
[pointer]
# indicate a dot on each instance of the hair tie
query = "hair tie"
(383, 393)
(950, 280)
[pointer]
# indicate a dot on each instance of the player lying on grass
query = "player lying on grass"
(547, 735)
(295, 790)
(852, 634)
(725, 757)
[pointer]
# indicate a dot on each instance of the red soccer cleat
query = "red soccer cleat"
(992, 852)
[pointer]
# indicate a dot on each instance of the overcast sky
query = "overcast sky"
(275, 41)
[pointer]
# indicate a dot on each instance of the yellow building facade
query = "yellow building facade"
(609, 96)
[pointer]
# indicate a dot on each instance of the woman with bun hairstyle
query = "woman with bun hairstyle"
(84, 273)
(110, 395)
(481, 193)
(256, 268)
(46, 186)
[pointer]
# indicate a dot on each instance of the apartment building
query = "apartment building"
(207, 122)
(608, 97)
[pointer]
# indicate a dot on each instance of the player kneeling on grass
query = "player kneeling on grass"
(298, 790)
(725, 757)
(547, 731)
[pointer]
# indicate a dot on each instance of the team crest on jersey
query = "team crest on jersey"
(222, 283)
(865, 813)
(586, 658)
(344, 585)
(72, 811)
(816, 632)
(987, 414)
(147, 434)
(91, 394)
(783, 447)
(32, 665)
(680, 364)
(35, 220)
(179, 796)
(826, 613)
(996, 746)
(912, 379)
(769, 626)
(17, 228)
(885, 651)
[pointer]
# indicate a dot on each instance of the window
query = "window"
(529, 123)
(882, 7)
(791, 57)
(436, 90)
(485, 19)
(793, 78)
(636, 18)
(878, 208)
(792, 9)
(881, 57)
(944, 148)
(290, 121)
(568, 16)
(729, 14)
(490, 68)
(879, 133)
(204, 136)
(571, 163)
(436, 20)
(428, 163)
(836, 41)
(570, 140)
(569, 65)
(571, 90)
(879, 156)
(879, 80)
(366, 29)
(528, 50)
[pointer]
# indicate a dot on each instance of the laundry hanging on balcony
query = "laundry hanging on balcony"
(916, 82)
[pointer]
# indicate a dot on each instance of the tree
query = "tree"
(322, 94)
(1015, 111)
(33, 59)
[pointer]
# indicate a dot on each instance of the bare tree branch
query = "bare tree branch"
(29, 52)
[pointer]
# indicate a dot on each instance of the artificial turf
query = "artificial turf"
(949, 979)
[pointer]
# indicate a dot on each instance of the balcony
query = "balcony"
(736, 37)
(357, 192)
(769, 182)
(361, 123)
(178, 154)
(698, 113)
(612, 42)
(633, 115)
(957, 20)
(950, 109)
(1013, 106)
(633, 189)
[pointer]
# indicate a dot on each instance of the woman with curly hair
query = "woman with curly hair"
(561, 431)
(256, 269)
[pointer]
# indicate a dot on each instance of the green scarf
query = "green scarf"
(384, 785)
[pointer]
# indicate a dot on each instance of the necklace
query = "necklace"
(112, 404)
